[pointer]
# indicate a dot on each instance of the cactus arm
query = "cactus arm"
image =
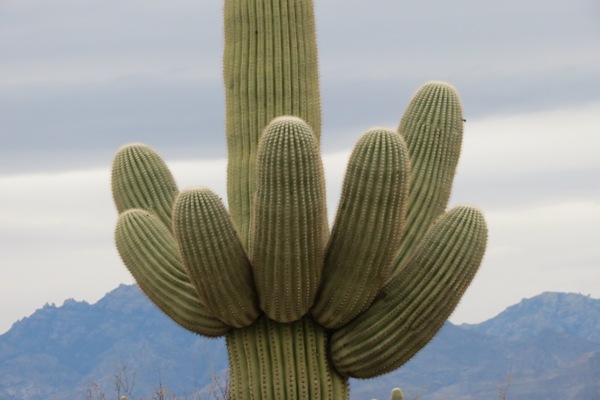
(144, 190)
(288, 245)
(432, 127)
(149, 251)
(270, 69)
(141, 179)
(214, 258)
(367, 228)
(417, 301)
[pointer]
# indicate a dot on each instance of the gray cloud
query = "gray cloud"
(527, 189)
(61, 127)
(78, 80)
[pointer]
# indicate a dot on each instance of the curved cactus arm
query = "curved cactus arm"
(150, 253)
(214, 258)
(367, 229)
(432, 127)
(141, 179)
(417, 301)
(289, 221)
(270, 69)
(144, 191)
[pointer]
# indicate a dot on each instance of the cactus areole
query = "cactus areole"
(303, 308)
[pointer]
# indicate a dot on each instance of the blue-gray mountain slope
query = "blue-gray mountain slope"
(546, 347)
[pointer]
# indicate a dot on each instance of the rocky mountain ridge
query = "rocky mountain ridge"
(541, 348)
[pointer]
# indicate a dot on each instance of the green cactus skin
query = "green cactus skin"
(283, 361)
(303, 310)
(288, 240)
(270, 70)
(414, 305)
(140, 179)
(214, 258)
(149, 251)
(368, 227)
(432, 126)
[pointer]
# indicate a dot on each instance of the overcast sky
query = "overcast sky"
(79, 79)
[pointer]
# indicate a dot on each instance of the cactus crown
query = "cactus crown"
(303, 309)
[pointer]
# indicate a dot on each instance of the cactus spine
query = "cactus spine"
(302, 309)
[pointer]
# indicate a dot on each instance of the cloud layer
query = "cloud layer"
(56, 228)
(80, 79)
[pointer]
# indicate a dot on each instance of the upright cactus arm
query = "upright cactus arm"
(368, 227)
(289, 220)
(141, 179)
(432, 127)
(214, 258)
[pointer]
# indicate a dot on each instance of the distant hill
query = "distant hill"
(546, 347)
(62, 352)
(563, 313)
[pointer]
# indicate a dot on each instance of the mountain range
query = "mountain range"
(545, 347)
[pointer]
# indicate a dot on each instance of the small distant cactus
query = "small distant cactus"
(302, 308)
(397, 394)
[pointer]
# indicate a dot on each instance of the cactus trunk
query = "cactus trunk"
(271, 360)
(270, 70)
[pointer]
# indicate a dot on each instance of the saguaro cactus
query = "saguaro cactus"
(303, 309)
